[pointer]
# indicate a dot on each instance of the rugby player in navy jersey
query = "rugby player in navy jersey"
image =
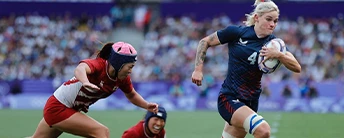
(239, 95)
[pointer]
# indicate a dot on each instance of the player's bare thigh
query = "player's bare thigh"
(45, 131)
(82, 125)
(238, 119)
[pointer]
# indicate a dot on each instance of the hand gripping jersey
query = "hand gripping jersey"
(73, 95)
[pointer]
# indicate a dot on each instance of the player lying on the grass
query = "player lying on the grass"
(94, 79)
(239, 96)
(151, 127)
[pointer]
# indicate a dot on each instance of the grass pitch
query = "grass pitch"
(197, 124)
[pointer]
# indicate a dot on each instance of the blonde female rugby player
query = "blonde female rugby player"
(239, 95)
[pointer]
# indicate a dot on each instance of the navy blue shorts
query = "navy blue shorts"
(228, 104)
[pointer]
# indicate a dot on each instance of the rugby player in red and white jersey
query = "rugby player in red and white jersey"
(94, 79)
(152, 126)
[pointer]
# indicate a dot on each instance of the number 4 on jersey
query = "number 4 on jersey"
(252, 58)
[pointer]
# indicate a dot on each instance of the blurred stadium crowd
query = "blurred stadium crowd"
(42, 47)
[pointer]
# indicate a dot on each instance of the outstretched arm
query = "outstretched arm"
(203, 45)
(137, 100)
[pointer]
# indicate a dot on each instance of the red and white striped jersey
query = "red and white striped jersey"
(73, 95)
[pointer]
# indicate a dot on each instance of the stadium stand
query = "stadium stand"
(42, 47)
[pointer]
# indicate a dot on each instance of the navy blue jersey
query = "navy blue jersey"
(243, 78)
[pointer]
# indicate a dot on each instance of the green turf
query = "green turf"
(199, 124)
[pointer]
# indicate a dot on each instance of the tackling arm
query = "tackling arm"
(136, 99)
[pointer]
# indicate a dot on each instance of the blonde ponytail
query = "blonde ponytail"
(261, 7)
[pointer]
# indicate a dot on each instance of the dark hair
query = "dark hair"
(105, 52)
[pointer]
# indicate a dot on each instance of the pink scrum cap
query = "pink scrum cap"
(121, 54)
(124, 48)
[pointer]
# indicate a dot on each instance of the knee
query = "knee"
(233, 132)
(256, 125)
(101, 132)
(263, 131)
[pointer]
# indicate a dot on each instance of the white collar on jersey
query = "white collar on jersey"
(144, 130)
(107, 72)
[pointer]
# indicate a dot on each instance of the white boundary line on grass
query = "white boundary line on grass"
(275, 125)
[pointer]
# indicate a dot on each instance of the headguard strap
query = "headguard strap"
(122, 53)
